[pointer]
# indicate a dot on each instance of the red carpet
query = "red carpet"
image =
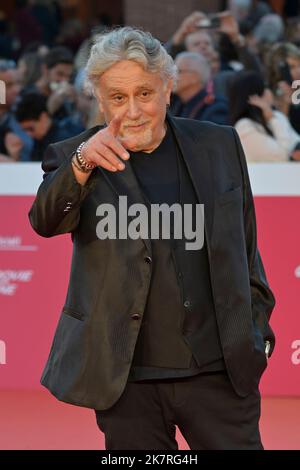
(36, 420)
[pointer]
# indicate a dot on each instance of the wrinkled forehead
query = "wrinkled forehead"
(125, 75)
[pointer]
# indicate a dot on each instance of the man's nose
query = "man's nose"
(134, 110)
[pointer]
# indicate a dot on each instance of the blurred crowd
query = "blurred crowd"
(237, 67)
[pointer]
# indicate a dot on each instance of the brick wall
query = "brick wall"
(162, 17)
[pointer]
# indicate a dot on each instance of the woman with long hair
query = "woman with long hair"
(283, 68)
(265, 133)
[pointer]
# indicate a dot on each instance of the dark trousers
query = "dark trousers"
(205, 407)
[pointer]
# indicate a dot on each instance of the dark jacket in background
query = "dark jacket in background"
(203, 106)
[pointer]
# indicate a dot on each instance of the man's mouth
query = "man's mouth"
(135, 126)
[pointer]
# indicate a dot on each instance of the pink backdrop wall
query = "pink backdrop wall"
(34, 275)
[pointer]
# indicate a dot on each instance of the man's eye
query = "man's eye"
(118, 98)
(145, 94)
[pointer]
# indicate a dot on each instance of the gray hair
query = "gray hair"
(128, 43)
(269, 29)
(199, 63)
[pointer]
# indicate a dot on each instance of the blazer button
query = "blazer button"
(187, 303)
(148, 259)
(135, 316)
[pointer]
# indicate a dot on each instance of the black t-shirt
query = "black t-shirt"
(158, 176)
(157, 172)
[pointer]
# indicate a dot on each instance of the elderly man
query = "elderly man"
(153, 334)
(193, 97)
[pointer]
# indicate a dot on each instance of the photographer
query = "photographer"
(54, 83)
(201, 33)
(15, 144)
(35, 120)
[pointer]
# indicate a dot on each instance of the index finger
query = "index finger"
(115, 124)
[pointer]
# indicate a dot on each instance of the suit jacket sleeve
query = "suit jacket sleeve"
(56, 209)
(262, 298)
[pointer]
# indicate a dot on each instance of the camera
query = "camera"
(212, 22)
(58, 86)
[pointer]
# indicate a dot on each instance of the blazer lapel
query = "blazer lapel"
(125, 183)
(196, 155)
(198, 161)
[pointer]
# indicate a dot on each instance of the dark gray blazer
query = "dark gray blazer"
(95, 338)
